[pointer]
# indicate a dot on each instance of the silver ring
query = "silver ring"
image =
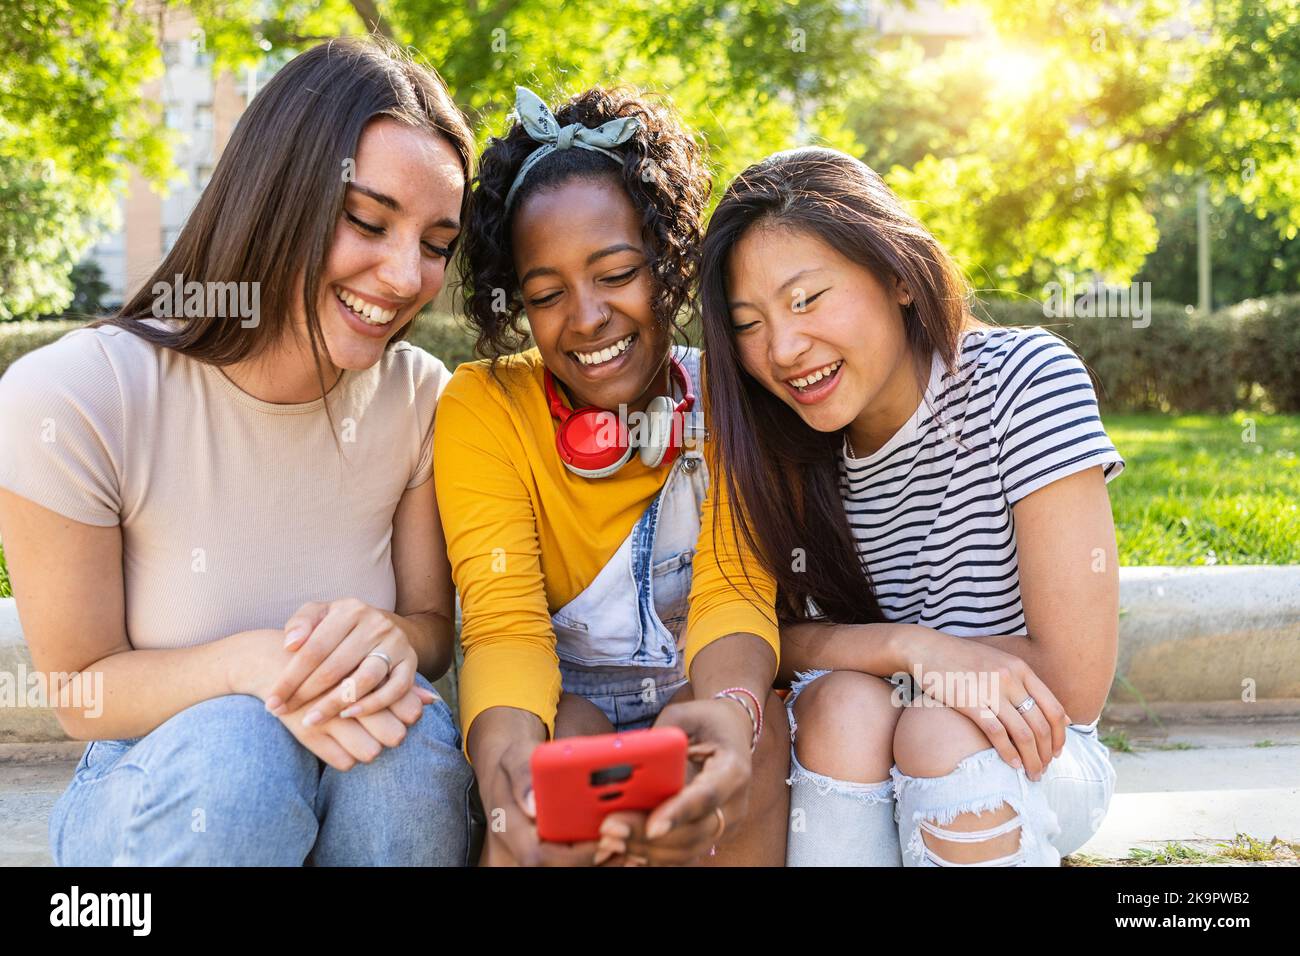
(388, 660)
(1026, 705)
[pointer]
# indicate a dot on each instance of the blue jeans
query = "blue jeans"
(224, 783)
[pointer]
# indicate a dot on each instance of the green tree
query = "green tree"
(1039, 152)
(88, 290)
(751, 76)
(73, 119)
(1048, 156)
(1250, 257)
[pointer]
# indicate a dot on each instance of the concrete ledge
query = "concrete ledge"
(23, 724)
(20, 724)
(1194, 642)
(1208, 634)
(1201, 711)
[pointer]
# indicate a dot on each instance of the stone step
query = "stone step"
(32, 776)
(1222, 642)
(20, 722)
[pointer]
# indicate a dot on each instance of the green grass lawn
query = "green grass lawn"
(1207, 489)
(1196, 490)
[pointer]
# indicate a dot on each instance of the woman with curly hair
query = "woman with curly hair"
(571, 479)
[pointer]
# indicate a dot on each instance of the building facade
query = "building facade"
(201, 106)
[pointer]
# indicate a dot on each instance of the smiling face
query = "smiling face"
(585, 279)
(820, 332)
(389, 252)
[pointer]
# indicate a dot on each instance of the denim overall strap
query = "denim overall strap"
(628, 626)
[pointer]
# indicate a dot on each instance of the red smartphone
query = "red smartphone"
(578, 780)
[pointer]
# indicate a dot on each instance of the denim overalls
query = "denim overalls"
(620, 641)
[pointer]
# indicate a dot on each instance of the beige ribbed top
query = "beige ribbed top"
(234, 511)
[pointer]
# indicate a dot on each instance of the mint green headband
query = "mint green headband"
(540, 125)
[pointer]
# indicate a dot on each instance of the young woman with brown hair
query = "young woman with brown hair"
(228, 521)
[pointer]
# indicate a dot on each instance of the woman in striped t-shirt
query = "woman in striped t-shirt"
(925, 501)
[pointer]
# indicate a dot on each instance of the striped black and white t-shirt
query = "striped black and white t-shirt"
(931, 510)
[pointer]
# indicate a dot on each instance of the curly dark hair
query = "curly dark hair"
(663, 172)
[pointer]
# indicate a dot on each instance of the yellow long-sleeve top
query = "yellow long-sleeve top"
(525, 537)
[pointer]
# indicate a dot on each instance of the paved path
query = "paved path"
(31, 778)
(1228, 784)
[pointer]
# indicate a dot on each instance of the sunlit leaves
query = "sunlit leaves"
(73, 120)
(1050, 164)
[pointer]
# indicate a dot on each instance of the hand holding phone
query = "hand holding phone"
(577, 781)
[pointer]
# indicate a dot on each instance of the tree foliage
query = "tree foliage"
(1040, 152)
(751, 76)
(73, 120)
(1035, 150)
(1250, 256)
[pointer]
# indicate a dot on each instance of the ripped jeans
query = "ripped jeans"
(845, 823)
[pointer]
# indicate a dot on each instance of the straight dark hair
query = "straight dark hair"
(269, 213)
(782, 475)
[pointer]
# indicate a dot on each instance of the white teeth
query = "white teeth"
(371, 314)
(604, 355)
(816, 376)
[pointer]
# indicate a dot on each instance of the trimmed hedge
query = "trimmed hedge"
(1181, 361)
(1245, 355)
(1268, 347)
(442, 335)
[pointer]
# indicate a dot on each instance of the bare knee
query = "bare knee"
(844, 726)
(931, 741)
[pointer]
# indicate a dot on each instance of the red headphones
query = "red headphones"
(594, 442)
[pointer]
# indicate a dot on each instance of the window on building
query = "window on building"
(203, 116)
(171, 53)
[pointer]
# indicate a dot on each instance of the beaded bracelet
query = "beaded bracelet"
(755, 716)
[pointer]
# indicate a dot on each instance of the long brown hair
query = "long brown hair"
(782, 474)
(268, 214)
